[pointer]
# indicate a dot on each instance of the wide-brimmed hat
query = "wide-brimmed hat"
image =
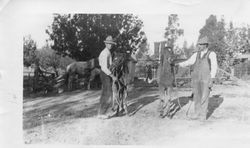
(109, 40)
(203, 40)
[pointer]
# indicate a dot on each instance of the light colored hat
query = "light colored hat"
(203, 40)
(109, 40)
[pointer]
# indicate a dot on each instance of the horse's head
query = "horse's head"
(118, 61)
(167, 56)
(94, 63)
(120, 64)
(94, 72)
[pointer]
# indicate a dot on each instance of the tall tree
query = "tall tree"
(81, 36)
(173, 30)
(29, 51)
(216, 32)
(48, 58)
(188, 50)
(142, 49)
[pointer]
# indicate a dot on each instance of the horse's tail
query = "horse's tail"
(66, 78)
(62, 80)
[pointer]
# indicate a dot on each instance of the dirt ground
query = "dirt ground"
(70, 118)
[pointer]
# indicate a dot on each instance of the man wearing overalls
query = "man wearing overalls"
(105, 61)
(205, 68)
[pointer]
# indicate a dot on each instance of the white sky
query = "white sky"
(35, 16)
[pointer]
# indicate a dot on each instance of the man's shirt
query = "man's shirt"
(212, 57)
(105, 60)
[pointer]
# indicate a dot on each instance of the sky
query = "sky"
(36, 16)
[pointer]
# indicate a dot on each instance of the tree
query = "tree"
(65, 61)
(81, 36)
(173, 30)
(29, 51)
(188, 51)
(49, 59)
(142, 50)
(216, 32)
(237, 40)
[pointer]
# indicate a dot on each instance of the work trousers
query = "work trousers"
(201, 92)
(106, 95)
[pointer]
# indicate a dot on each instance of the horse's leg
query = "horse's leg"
(172, 107)
(169, 104)
(115, 103)
(125, 103)
(113, 96)
(69, 82)
(72, 82)
(120, 97)
(88, 85)
(162, 100)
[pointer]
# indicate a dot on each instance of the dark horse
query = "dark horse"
(122, 68)
(76, 70)
(166, 80)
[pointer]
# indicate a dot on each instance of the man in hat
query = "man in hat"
(105, 61)
(205, 68)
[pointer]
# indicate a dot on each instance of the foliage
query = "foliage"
(238, 40)
(226, 42)
(216, 32)
(65, 61)
(29, 51)
(142, 50)
(81, 36)
(173, 30)
(48, 59)
(188, 50)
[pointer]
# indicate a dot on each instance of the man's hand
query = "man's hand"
(113, 77)
(211, 82)
(174, 63)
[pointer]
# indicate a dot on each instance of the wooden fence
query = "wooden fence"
(242, 70)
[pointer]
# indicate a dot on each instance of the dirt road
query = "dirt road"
(70, 118)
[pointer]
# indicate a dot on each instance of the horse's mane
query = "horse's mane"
(119, 65)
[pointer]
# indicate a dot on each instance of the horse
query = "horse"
(122, 68)
(166, 79)
(81, 69)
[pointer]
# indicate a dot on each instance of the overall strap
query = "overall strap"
(198, 54)
(108, 61)
(207, 57)
(207, 54)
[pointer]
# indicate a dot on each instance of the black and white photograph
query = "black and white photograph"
(170, 73)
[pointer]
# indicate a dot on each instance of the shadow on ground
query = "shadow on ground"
(63, 107)
(214, 102)
(138, 98)
(140, 103)
(74, 105)
(177, 104)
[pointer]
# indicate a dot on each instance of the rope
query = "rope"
(187, 112)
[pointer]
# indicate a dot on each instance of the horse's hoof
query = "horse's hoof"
(103, 117)
(161, 115)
